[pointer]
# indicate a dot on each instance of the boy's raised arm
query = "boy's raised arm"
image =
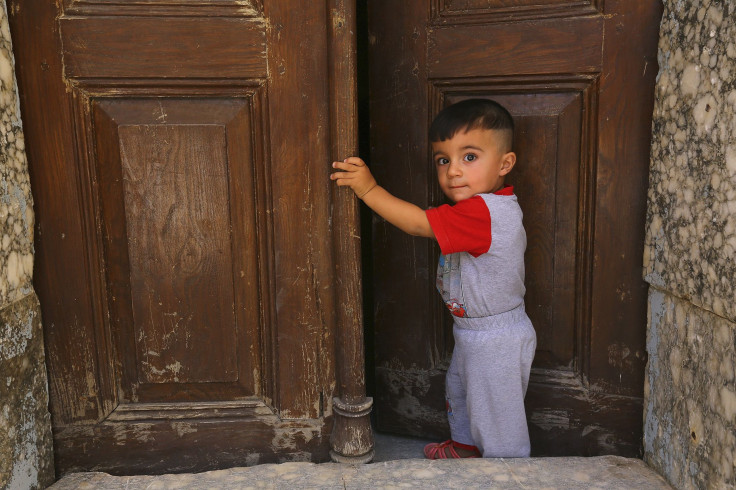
(404, 215)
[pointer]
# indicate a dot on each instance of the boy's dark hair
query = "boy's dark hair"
(472, 114)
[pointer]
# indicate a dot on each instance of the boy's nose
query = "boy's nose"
(453, 169)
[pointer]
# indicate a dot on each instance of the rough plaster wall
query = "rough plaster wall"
(690, 398)
(26, 455)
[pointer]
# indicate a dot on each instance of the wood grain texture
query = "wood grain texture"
(104, 47)
(158, 8)
(352, 437)
(303, 272)
(176, 206)
(490, 11)
(346, 227)
(531, 48)
(471, 5)
(178, 214)
(403, 265)
(189, 438)
(566, 417)
(619, 293)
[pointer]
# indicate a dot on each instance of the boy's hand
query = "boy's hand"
(404, 215)
(355, 174)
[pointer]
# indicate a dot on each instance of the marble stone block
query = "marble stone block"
(691, 223)
(690, 249)
(690, 394)
(16, 203)
(26, 450)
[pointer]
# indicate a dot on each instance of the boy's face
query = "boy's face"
(471, 162)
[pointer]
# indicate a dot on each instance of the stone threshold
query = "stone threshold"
(603, 472)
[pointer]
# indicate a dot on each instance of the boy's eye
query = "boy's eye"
(442, 161)
(470, 157)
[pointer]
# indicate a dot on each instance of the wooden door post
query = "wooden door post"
(352, 438)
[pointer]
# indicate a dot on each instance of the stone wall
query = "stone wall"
(26, 455)
(690, 254)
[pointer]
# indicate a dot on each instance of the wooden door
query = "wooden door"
(179, 153)
(578, 77)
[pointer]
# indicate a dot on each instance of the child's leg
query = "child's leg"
(461, 443)
(457, 413)
(496, 366)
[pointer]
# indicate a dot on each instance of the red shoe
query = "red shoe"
(446, 450)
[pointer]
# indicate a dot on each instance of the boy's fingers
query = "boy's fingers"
(349, 164)
(341, 175)
(342, 182)
(358, 162)
(342, 165)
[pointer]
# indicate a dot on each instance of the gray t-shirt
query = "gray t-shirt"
(481, 271)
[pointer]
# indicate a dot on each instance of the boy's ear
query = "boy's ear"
(508, 160)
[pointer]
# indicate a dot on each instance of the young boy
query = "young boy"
(480, 275)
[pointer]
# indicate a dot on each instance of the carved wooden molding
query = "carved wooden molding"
(180, 8)
(241, 41)
(119, 382)
(491, 11)
(248, 408)
(179, 431)
(547, 44)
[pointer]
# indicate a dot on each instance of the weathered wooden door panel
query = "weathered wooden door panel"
(179, 154)
(578, 79)
(179, 198)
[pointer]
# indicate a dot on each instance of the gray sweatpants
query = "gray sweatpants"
(487, 381)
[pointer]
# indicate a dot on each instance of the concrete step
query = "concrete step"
(605, 472)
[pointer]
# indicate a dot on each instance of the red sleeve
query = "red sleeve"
(464, 227)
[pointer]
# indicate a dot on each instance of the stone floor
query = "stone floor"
(389, 447)
(398, 464)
